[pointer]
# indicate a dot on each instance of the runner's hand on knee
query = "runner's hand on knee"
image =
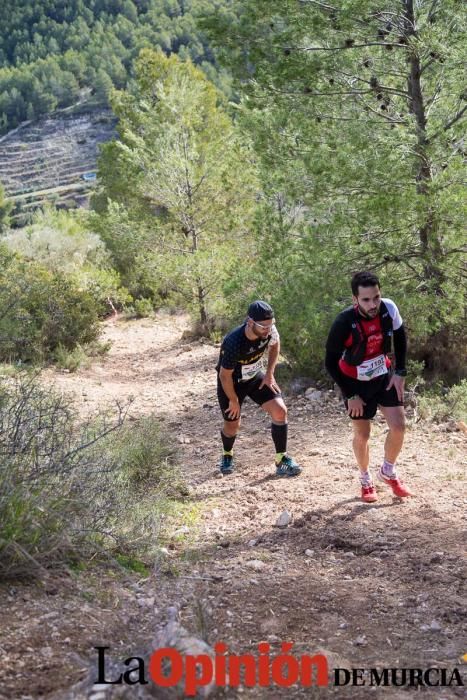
(233, 411)
(398, 383)
(268, 380)
(355, 407)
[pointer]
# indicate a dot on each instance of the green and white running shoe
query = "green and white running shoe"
(227, 464)
(287, 467)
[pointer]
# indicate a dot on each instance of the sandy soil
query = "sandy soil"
(369, 586)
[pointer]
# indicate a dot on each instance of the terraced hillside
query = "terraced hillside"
(49, 159)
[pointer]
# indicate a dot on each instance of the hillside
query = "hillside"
(50, 51)
(53, 159)
(377, 585)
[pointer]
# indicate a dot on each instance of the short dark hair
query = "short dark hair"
(363, 279)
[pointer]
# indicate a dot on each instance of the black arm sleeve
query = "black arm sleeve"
(344, 383)
(335, 346)
(400, 347)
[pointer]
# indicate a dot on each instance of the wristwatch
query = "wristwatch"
(351, 398)
(401, 372)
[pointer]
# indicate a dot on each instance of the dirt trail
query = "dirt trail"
(369, 586)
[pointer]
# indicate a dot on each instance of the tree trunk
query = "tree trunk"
(203, 314)
(430, 243)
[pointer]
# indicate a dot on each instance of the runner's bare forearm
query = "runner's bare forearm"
(273, 356)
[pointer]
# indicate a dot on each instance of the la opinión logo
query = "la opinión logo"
(168, 668)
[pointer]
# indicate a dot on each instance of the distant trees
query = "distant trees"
(50, 49)
(38, 89)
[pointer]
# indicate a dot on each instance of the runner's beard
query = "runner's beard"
(260, 336)
(368, 314)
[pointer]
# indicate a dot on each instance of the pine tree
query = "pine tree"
(358, 111)
(180, 156)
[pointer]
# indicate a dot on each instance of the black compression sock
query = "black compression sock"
(228, 442)
(279, 436)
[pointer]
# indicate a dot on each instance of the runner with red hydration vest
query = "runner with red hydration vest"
(357, 359)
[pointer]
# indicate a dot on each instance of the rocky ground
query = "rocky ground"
(369, 586)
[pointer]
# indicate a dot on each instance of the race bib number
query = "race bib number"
(250, 371)
(370, 369)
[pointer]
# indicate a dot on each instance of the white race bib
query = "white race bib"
(250, 371)
(372, 368)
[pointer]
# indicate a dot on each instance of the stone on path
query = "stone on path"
(284, 519)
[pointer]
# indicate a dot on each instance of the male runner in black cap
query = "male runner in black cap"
(240, 374)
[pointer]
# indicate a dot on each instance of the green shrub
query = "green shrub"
(71, 490)
(150, 492)
(59, 241)
(48, 476)
(71, 359)
(441, 405)
(40, 311)
(143, 308)
(62, 244)
(98, 348)
(146, 458)
(80, 356)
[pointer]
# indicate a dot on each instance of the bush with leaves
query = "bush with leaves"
(71, 360)
(5, 209)
(40, 311)
(440, 404)
(143, 308)
(50, 474)
(69, 490)
(62, 243)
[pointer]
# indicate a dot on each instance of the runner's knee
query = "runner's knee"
(361, 432)
(278, 413)
(231, 427)
(398, 427)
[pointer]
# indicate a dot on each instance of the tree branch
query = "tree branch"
(455, 118)
(328, 8)
(342, 48)
(450, 123)
(462, 249)
(427, 65)
(394, 91)
(432, 10)
(321, 94)
(435, 95)
(383, 116)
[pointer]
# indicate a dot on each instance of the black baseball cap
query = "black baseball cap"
(260, 311)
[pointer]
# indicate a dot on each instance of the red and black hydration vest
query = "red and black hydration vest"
(355, 354)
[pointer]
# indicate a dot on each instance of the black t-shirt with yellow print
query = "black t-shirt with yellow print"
(242, 355)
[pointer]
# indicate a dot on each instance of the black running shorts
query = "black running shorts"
(374, 394)
(244, 389)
